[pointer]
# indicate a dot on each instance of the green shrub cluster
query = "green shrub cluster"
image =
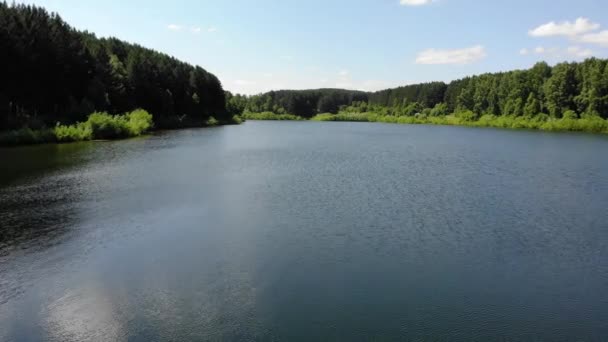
(569, 122)
(236, 120)
(270, 116)
(357, 117)
(98, 126)
(105, 126)
(212, 122)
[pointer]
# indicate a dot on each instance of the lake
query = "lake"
(305, 231)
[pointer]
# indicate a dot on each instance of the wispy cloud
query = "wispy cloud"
(582, 30)
(191, 29)
(174, 27)
(454, 56)
(598, 38)
(577, 51)
(344, 73)
(565, 28)
(555, 52)
(244, 83)
(415, 2)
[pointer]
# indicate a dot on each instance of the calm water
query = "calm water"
(303, 231)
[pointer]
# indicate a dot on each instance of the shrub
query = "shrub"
(78, 132)
(440, 109)
(211, 121)
(26, 136)
(236, 120)
(466, 115)
(106, 126)
(139, 122)
(270, 116)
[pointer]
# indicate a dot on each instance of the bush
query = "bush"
(78, 132)
(139, 122)
(358, 117)
(212, 121)
(25, 136)
(106, 126)
(588, 123)
(236, 120)
(440, 109)
(270, 116)
(466, 115)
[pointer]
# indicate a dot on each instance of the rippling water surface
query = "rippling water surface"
(307, 231)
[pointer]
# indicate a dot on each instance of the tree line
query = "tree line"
(53, 73)
(303, 103)
(578, 88)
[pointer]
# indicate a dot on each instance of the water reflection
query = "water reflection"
(299, 231)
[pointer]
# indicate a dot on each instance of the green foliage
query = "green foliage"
(138, 122)
(77, 73)
(106, 126)
(532, 106)
(270, 116)
(541, 121)
(236, 120)
(97, 126)
(212, 122)
(77, 132)
(361, 117)
(25, 136)
(466, 115)
(440, 109)
(303, 103)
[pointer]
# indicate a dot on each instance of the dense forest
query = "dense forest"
(53, 73)
(302, 103)
(581, 89)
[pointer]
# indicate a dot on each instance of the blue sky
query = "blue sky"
(255, 46)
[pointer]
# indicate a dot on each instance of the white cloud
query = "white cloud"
(564, 28)
(174, 27)
(344, 73)
(195, 30)
(212, 29)
(599, 38)
(414, 2)
(455, 56)
(524, 52)
(576, 52)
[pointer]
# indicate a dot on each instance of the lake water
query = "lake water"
(306, 231)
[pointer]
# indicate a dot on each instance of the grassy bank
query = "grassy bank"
(569, 122)
(97, 126)
(270, 116)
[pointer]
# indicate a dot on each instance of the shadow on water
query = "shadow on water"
(31, 209)
(26, 162)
